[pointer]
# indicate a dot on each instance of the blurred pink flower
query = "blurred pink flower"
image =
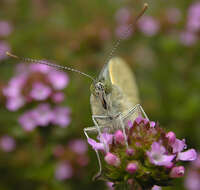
(42, 114)
(58, 97)
(27, 121)
(123, 31)
(59, 80)
(61, 116)
(7, 143)
(123, 15)
(148, 26)
(193, 23)
(40, 91)
(63, 171)
(188, 38)
(14, 103)
(78, 146)
(4, 47)
(40, 68)
(192, 181)
(5, 28)
(173, 15)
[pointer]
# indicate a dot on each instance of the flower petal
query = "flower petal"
(95, 145)
(188, 155)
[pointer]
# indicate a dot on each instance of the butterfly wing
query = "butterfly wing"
(122, 77)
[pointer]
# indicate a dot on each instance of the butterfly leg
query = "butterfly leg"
(94, 130)
(123, 129)
(137, 108)
(94, 118)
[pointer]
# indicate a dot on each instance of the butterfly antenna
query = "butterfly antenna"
(125, 33)
(59, 67)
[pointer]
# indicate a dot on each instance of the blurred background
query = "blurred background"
(43, 111)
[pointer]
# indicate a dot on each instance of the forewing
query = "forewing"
(122, 76)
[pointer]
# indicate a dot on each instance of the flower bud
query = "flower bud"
(152, 124)
(131, 168)
(112, 159)
(119, 137)
(171, 137)
(130, 152)
(177, 172)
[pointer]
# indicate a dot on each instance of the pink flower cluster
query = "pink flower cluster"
(38, 84)
(72, 158)
(151, 157)
(7, 143)
(43, 115)
(190, 35)
(34, 82)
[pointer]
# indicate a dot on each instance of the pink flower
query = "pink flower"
(171, 137)
(155, 187)
(178, 145)
(188, 38)
(42, 115)
(189, 155)
(123, 15)
(7, 143)
(194, 17)
(139, 119)
(5, 28)
(14, 87)
(63, 171)
(61, 116)
(14, 103)
(123, 31)
(27, 121)
(78, 146)
(148, 25)
(130, 152)
(4, 47)
(192, 181)
(105, 140)
(152, 123)
(119, 137)
(173, 15)
(39, 68)
(58, 97)
(131, 168)
(95, 145)
(40, 91)
(59, 80)
(158, 156)
(112, 159)
(177, 171)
